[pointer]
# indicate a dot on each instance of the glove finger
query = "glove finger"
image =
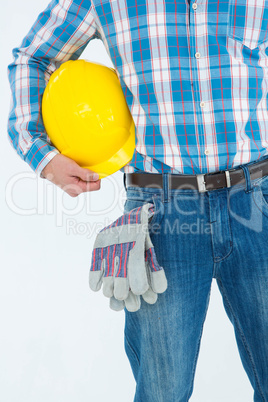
(121, 285)
(138, 279)
(133, 302)
(156, 273)
(121, 288)
(116, 305)
(95, 277)
(108, 286)
(158, 281)
(150, 296)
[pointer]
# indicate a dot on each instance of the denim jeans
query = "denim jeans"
(221, 234)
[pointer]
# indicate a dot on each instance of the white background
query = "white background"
(59, 341)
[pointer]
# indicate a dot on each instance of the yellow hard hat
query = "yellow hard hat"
(86, 116)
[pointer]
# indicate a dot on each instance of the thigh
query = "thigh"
(162, 340)
(243, 281)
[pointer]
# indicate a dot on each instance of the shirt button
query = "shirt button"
(194, 6)
(207, 151)
(197, 55)
(202, 104)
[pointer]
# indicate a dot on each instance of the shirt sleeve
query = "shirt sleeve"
(60, 33)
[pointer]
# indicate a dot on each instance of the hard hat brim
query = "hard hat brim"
(117, 161)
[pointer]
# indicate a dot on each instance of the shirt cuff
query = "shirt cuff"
(39, 155)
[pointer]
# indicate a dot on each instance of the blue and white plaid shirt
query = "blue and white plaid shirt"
(194, 74)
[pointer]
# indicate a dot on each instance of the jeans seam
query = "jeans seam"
(166, 187)
(243, 339)
(132, 349)
(219, 259)
(198, 346)
(259, 193)
(230, 231)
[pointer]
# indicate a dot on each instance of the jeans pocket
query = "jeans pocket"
(247, 22)
(260, 195)
(132, 202)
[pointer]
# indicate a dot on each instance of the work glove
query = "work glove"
(133, 302)
(124, 261)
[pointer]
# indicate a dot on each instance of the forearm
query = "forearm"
(25, 126)
(60, 33)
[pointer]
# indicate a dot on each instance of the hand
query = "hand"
(70, 177)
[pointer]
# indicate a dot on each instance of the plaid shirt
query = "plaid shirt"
(194, 74)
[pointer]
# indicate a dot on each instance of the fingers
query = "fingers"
(96, 277)
(79, 180)
(159, 281)
(116, 305)
(138, 280)
(108, 286)
(150, 296)
(85, 186)
(84, 180)
(86, 174)
(70, 177)
(121, 288)
(133, 302)
(76, 186)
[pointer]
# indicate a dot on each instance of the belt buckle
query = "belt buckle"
(201, 182)
(228, 179)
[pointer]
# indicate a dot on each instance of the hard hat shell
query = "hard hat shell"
(86, 116)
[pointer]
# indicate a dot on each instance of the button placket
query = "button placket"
(198, 55)
(201, 62)
(198, 42)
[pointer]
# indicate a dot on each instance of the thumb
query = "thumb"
(87, 174)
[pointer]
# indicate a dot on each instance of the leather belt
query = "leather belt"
(202, 182)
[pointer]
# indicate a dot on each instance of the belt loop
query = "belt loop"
(166, 187)
(124, 181)
(249, 187)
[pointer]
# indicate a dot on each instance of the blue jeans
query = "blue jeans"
(221, 234)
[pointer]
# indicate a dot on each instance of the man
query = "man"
(195, 77)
